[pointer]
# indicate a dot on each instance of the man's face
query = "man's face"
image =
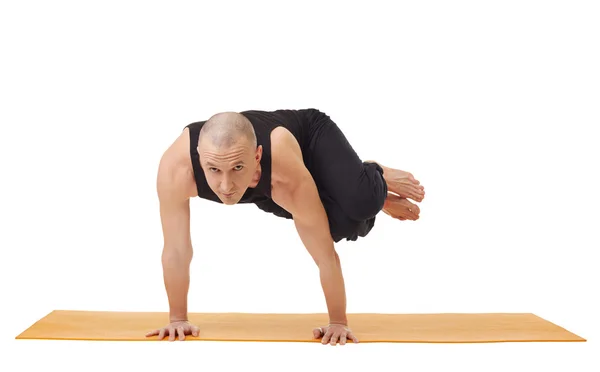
(229, 171)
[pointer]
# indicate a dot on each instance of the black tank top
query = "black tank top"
(299, 122)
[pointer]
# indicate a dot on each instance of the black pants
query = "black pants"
(352, 191)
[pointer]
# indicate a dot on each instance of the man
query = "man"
(295, 164)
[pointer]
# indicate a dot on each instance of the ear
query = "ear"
(258, 154)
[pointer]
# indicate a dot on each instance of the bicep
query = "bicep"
(175, 222)
(295, 189)
(174, 209)
(304, 198)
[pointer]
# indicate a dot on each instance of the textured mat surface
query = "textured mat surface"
(428, 328)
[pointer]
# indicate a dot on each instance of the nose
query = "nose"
(226, 185)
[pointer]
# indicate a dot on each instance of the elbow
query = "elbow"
(176, 255)
(307, 206)
(328, 260)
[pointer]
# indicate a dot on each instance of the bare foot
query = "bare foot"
(402, 183)
(400, 208)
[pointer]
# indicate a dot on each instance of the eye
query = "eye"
(238, 167)
(213, 169)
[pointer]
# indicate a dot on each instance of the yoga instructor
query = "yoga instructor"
(295, 164)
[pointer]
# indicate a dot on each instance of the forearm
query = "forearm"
(176, 275)
(334, 289)
(317, 238)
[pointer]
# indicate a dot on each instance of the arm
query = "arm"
(295, 190)
(177, 249)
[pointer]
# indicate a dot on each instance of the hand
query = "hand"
(334, 333)
(180, 328)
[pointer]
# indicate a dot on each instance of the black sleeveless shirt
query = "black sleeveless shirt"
(298, 122)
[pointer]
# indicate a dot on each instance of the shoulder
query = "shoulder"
(281, 137)
(287, 164)
(174, 173)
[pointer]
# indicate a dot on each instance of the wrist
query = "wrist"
(174, 319)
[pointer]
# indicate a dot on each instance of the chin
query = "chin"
(229, 201)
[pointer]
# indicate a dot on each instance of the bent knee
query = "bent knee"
(365, 201)
(365, 208)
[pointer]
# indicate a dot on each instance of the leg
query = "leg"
(341, 226)
(405, 186)
(358, 188)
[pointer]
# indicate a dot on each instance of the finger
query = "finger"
(152, 333)
(161, 335)
(352, 337)
(195, 331)
(326, 337)
(172, 334)
(343, 339)
(317, 332)
(334, 338)
(181, 332)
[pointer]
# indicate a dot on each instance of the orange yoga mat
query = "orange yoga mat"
(428, 328)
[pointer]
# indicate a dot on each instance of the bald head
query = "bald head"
(229, 155)
(225, 129)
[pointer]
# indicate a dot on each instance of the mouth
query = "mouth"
(228, 195)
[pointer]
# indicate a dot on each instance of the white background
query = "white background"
(491, 105)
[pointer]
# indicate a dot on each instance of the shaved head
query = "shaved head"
(225, 129)
(229, 155)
